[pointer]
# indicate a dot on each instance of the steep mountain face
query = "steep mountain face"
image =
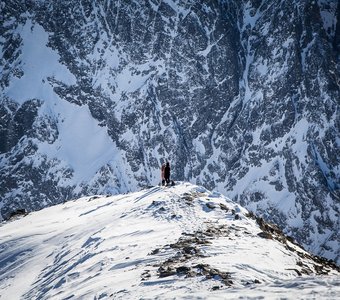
(241, 96)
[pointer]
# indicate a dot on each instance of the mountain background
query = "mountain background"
(240, 96)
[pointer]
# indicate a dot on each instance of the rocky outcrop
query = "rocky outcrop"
(189, 249)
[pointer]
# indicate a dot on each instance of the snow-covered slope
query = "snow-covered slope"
(159, 243)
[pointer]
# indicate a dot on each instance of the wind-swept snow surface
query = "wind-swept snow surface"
(172, 242)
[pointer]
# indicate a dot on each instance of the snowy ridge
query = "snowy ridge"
(159, 243)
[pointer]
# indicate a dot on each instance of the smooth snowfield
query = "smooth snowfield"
(124, 247)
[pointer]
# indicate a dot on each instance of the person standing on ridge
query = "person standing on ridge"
(167, 173)
(163, 174)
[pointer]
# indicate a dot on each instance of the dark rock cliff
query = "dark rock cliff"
(240, 96)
